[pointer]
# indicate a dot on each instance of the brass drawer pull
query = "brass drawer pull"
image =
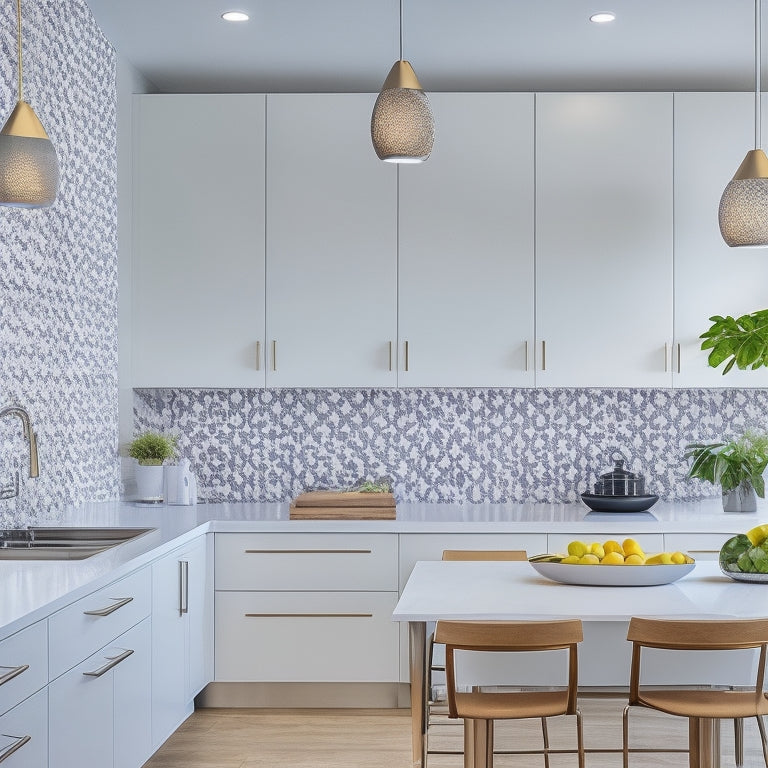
(678, 358)
(15, 747)
(309, 615)
(12, 672)
(666, 355)
(121, 601)
(407, 358)
(526, 355)
(390, 355)
(113, 662)
(543, 355)
(307, 551)
(274, 354)
(258, 355)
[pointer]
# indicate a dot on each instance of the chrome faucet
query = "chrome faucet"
(29, 434)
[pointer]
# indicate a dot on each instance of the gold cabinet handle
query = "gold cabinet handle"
(258, 355)
(390, 355)
(15, 747)
(543, 355)
(274, 355)
(309, 615)
(406, 356)
(112, 661)
(121, 601)
(12, 672)
(678, 358)
(666, 355)
(526, 355)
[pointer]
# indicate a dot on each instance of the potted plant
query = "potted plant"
(740, 341)
(737, 466)
(150, 450)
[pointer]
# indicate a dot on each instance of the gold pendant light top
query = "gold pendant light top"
(402, 76)
(24, 122)
(754, 166)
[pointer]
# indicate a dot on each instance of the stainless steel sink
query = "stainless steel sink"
(44, 543)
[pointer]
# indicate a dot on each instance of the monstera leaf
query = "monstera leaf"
(741, 341)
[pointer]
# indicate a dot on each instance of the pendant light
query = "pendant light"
(29, 168)
(402, 128)
(744, 205)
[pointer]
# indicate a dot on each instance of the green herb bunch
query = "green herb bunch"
(728, 464)
(152, 448)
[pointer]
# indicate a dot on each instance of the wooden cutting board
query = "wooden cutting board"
(343, 505)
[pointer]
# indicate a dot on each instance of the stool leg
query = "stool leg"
(738, 741)
(480, 743)
(625, 737)
(580, 738)
(545, 735)
(469, 743)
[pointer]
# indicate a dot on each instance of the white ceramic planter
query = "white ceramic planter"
(149, 482)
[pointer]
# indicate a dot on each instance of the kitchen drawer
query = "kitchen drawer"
(700, 546)
(650, 542)
(80, 629)
(306, 561)
(306, 637)
(23, 665)
(430, 546)
(24, 734)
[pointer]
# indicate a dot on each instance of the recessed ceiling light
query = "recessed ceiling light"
(234, 16)
(602, 18)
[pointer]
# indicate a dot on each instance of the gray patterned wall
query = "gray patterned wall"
(442, 445)
(58, 266)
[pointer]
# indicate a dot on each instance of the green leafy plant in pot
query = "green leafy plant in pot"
(737, 466)
(150, 450)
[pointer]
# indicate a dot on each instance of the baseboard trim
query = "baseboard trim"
(306, 695)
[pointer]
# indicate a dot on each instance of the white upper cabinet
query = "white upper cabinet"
(713, 132)
(466, 247)
(331, 245)
(604, 239)
(198, 281)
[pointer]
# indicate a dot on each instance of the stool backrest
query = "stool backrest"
(696, 635)
(485, 554)
(510, 636)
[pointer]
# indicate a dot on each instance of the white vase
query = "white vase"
(742, 498)
(149, 482)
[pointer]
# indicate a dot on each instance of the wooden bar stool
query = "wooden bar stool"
(703, 708)
(436, 711)
(480, 707)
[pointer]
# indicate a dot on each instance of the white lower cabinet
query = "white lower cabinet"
(182, 631)
(100, 709)
(24, 733)
(309, 607)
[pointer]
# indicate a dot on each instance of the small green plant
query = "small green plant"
(728, 464)
(741, 341)
(152, 448)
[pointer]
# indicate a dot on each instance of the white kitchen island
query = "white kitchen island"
(514, 591)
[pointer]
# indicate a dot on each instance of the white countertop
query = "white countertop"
(33, 589)
(494, 591)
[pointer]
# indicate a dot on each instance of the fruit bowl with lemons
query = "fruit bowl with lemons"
(745, 557)
(620, 564)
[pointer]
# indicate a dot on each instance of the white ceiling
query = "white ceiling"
(454, 45)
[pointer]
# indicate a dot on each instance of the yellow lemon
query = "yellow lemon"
(589, 559)
(663, 558)
(758, 534)
(613, 546)
(570, 560)
(613, 558)
(631, 547)
(678, 558)
(596, 548)
(634, 560)
(577, 548)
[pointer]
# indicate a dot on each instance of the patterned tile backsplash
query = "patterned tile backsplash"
(443, 445)
(58, 267)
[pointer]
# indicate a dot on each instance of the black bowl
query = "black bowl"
(599, 503)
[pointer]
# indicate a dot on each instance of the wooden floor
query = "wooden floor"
(317, 738)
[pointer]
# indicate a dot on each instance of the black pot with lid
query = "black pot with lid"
(620, 481)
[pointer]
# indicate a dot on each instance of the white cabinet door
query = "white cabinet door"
(603, 239)
(198, 267)
(713, 132)
(182, 629)
(24, 734)
(331, 245)
(465, 299)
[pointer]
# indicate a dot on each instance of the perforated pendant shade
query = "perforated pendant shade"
(29, 168)
(743, 214)
(402, 127)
